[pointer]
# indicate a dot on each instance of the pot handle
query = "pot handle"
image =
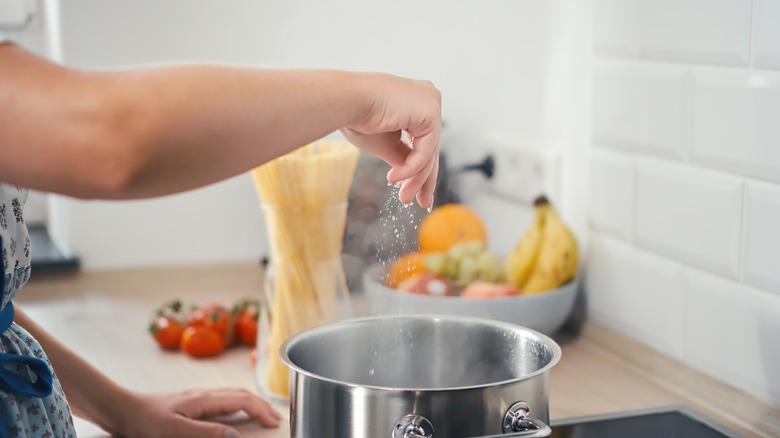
(541, 430)
(517, 423)
(538, 430)
(535, 429)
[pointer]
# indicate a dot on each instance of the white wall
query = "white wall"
(491, 59)
(685, 177)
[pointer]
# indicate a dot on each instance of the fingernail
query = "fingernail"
(232, 433)
(398, 184)
(389, 184)
(431, 204)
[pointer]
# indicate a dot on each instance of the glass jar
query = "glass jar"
(305, 284)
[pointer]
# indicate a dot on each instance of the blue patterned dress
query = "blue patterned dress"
(23, 415)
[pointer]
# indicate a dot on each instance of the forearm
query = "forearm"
(153, 132)
(157, 131)
(201, 124)
(91, 394)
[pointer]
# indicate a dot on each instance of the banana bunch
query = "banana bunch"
(546, 257)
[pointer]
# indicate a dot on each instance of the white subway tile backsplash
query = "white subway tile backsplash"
(641, 106)
(732, 332)
(637, 293)
(690, 214)
(736, 121)
(615, 27)
(707, 31)
(611, 192)
(684, 207)
(766, 34)
(762, 236)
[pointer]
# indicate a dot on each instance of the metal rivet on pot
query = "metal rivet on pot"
(515, 418)
(413, 426)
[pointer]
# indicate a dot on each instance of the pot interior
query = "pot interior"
(420, 352)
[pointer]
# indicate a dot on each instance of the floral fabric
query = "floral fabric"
(23, 416)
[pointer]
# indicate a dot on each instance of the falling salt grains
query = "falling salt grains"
(396, 241)
(397, 236)
(392, 220)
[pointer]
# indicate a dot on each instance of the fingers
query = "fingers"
(388, 145)
(395, 155)
(423, 152)
(425, 195)
(227, 401)
(255, 407)
(411, 187)
(203, 429)
(420, 166)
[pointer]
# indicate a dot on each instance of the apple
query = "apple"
(430, 284)
(484, 289)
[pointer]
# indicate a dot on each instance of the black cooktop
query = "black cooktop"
(668, 422)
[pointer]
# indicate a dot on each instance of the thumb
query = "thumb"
(206, 429)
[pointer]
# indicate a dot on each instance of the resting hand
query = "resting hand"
(415, 107)
(187, 414)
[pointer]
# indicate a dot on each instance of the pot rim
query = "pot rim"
(546, 340)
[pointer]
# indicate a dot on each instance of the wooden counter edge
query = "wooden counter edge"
(735, 405)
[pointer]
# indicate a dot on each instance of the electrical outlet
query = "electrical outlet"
(15, 14)
(521, 172)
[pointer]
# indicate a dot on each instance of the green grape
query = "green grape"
(469, 270)
(489, 266)
(458, 251)
(452, 267)
(474, 248)
(436, 262)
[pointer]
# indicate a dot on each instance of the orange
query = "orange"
(405, 268)
(448, 225)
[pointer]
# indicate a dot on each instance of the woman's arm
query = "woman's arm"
(151, 132)
(95, 397)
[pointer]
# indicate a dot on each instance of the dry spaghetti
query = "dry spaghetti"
(304, 195)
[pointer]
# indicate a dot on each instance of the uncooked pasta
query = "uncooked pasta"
(304, 199)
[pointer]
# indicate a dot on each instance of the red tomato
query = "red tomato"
(167, 332)
(212, 315)
(246, 314)
(246, 326)
(202, 341)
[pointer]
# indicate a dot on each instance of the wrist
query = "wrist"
(126, 402)
(361, 87)
(110, 411)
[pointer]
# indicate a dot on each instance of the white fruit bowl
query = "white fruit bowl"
(544, 312)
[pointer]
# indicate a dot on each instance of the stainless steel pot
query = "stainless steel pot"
(419, 376)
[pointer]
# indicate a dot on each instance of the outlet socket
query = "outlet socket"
(522, 172)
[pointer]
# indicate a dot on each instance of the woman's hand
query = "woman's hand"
(398, 105)
(187, 413)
